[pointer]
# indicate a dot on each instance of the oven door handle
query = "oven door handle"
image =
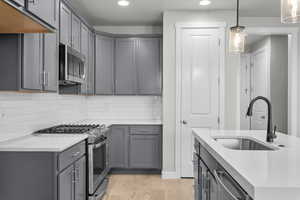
(100, 144)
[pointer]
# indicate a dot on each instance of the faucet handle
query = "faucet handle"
(274, 131)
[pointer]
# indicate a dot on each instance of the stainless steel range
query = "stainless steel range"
(97, 154)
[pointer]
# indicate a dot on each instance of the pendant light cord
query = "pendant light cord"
(237, 12)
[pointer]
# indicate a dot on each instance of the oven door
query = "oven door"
(98, 164)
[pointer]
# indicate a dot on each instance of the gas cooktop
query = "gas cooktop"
(69, 129)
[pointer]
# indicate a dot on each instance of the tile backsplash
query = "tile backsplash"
(23, 113)
(124, 107)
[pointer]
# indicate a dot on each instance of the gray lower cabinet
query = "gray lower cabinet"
(65, 25)
(66, 185)
(213, 182)
(148, 61)
(76, 29)
(118, 147)
(80, 179)
(45, 10)
(44, 175)
(135, 147)
(125, 67)
(144, 151)
(104, 83)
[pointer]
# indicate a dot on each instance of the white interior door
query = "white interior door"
(199, 89)
(260, 87)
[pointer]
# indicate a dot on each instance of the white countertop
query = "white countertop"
(265, 175)
(120, 122)
(41, 143)
(58, 142)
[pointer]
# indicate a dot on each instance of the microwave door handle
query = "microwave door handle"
(220, 183)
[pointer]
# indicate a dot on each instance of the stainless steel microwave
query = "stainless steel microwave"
(71, 66)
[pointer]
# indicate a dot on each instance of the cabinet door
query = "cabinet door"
(118, 147)
(85, 51)
(32, 61)
(148, 63)
(91, 69)
(65, 25)
(213, 187)
(125, 68)
(145, 152)
(51, 61)
(46, 10)
(80, 179)
(104, 65)
(66, 184)
(76, 27)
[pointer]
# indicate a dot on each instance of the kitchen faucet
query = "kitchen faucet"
(270, 134)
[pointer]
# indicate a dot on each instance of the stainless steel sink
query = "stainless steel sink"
(244, 144)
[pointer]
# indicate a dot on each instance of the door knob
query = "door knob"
(184, 122)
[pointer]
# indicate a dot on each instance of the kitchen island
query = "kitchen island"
(262, 174)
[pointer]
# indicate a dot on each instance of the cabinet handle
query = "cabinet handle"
(220, 183)
(76, 154)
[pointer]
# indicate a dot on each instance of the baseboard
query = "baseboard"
(169, 175)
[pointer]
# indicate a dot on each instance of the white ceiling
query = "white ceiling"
(149, 12)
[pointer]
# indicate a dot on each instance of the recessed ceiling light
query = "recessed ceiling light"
(123, 3)
(204, 2)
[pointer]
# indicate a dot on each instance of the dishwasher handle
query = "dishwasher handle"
(220, 183)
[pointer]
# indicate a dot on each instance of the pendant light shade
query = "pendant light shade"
(237, 35)
(290, 11)
(237, 39)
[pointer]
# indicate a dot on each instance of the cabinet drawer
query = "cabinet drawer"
(147, 130)
(71, 155)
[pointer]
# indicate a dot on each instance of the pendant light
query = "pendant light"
(237, 35)
(290, 11)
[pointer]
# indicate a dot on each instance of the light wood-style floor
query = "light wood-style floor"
(148, 187)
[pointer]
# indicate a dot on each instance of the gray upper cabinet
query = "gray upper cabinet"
(45, 10)
(85, 51)
(104, 65)
(40, 62)
(126, 70)
(76, 29)
(51, 61)
(65, 184)
(32, 73)
(118, 144)
(65, 25)
(128, 66)
(148, 63)
(91, 68)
